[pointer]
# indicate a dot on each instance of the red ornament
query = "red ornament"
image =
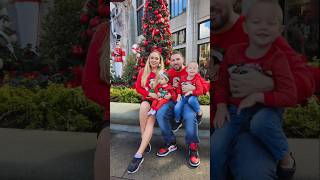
(145, 26)
(156, 12)
(152, 22)
(84, 18)
(146, 43)
(167, 63)
(142, 64)
(159, 16)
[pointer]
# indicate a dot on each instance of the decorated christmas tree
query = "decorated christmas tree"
(156, 32)
(94, 13)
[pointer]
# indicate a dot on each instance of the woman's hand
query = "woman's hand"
(242, 85)
(153, 95)
(168, 96)
(221, 116)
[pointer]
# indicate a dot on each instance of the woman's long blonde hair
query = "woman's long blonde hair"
(104, 57)
(147, 70)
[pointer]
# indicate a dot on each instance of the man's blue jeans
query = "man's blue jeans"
(165, 117)
(191, 100)
(263, 123)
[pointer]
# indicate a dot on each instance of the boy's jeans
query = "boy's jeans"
(264, 123)
(165, 115)
(191, 100)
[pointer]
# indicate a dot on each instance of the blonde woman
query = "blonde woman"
(147, 80)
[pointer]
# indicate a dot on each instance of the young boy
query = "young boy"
(260, 112)
(162, 89)
(191, 97)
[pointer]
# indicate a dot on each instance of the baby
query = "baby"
(162, 89)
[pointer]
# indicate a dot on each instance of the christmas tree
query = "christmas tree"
(95, 12)
(156, 32)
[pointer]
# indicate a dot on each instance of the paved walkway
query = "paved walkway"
(55, 155)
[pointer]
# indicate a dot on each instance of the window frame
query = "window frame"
(202, 22)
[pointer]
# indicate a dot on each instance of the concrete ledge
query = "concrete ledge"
(128, 114)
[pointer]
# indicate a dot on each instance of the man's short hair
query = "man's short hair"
(177, 52)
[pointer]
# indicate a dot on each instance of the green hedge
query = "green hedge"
(129, 95)
(303, 121)
(52, 108)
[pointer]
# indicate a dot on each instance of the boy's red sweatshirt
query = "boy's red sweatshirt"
(284, 93)
(93, 88)
(176, 76)
(196, 81)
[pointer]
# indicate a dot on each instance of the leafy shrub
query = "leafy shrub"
(303, 121)
(125, 95)
(129, 95)
(53, 108)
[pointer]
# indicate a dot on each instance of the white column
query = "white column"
(189, 31)
(27, 21)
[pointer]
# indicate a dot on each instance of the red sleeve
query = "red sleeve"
(93, 88)
(144, 93)
(285, 92)
(179, 88)
(222, 84)
(123, 53)
(302, 76)
(112, 54)
(205, 84)
(199, 87)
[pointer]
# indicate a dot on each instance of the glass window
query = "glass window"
(182, 36)
(203, 54)
(139, 21)
(180, 6)
(179, 37)
(177, 7)
(184, 4)
(204, 29)
(174, 39)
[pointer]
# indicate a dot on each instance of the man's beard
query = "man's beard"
(178, 68)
